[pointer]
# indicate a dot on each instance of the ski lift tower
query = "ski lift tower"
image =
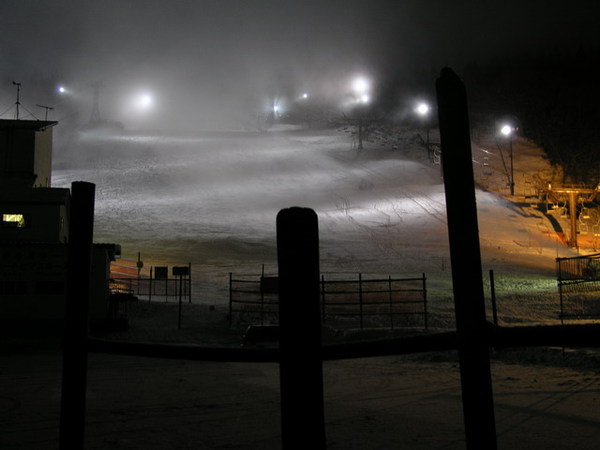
(572, 194)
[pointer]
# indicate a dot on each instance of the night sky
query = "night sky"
(215, 59)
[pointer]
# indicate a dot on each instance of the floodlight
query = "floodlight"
(423, 109)
(144, 101)
(360, 85)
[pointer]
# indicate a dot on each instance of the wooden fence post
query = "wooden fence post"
(189, 282)
(426, 313)
(301, 366)
(360, 299)
(391, 300)
(465, 255)
(74, 371)
(493, 298)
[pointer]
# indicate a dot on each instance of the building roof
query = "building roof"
(35, 125)
(35, 195)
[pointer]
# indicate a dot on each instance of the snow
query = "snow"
(211, 199)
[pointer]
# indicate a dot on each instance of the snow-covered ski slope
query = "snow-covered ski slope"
(212, 198)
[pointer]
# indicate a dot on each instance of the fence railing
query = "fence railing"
(159, 285)
(359, 302)
(578, 285)
(152, 289)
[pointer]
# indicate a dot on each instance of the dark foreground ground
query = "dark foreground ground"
(544, 398)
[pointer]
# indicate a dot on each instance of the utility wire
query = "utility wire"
(8, 109)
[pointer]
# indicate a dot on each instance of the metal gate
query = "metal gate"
(579, 286)
(346, 302)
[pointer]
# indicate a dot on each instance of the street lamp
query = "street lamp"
(145, 101)
(303, 105)
(423, 110)
(507, 130)
(361, 88)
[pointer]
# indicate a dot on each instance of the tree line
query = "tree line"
(554, 97)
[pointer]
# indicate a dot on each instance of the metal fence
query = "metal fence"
(356, 302)
(152, 289)
(578, 286)
(253, 299)
(158, 286)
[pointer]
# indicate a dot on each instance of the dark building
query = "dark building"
(34, 234)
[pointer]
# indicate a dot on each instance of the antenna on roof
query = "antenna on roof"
(18, 103)
(47, 108)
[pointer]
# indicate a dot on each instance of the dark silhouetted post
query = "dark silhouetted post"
(81, 227)
(180, 301)
(493, 298)
(478, 402)
(301, 367)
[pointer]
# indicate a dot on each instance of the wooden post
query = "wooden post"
(391, 300)
(426, 313)
(150, 284)
(573, 218)
(189, 282)
(301, 367)
(478, 402)
(323, 298)
(360, 299)
(74, 372)
(180, 300)
(230, 299)
(493, 297)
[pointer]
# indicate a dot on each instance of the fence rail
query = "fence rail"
(359, 302)
(150, 289)
(578, 285)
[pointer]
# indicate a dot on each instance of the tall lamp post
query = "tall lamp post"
(507, 130)
(304, 104)
(361, 88)
(423, 110)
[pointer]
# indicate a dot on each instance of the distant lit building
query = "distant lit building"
(34, 234)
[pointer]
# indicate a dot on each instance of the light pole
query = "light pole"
(507, 130)
(304, 102)
(423, 110)
(361, 88)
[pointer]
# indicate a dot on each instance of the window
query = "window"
(14, 220)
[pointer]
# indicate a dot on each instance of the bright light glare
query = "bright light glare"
(305, 95)
(423, 109)
(61, 89)
(506, 130)
(144, 101)
(365, 98)
(360, 85)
